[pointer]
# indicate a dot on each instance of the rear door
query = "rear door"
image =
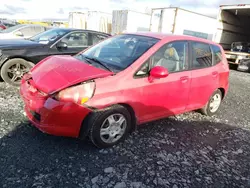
(221, 65)
(26, 32)
(205, 76)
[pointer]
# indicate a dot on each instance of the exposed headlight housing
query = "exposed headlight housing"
(78, 94)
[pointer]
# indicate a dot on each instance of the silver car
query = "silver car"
(21, 31)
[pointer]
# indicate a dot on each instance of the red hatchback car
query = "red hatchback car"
(125, 80)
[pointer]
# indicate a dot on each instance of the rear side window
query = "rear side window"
(217, 55)
(97, 38)
(202, 56)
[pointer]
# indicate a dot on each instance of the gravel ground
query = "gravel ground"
(188, 150)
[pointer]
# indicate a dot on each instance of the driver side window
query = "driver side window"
(173, 56)
(76, 39)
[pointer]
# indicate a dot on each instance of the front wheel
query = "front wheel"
(110, 126)
(213, 104)
(13, 70)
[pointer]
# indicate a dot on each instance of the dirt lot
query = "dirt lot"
(189, 150)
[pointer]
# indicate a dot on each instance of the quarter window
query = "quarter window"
(217, 54)
(202, 56)
(97, 38)
(144, 70)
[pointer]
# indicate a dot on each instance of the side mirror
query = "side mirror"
(158, 72)
(61, 45)
(19, 34)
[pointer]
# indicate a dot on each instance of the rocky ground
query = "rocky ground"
(189, 150)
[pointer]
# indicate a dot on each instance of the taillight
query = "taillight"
(78, 94)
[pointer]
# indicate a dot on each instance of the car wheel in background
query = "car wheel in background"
(109, 127)
(13, 70)
(213, 104)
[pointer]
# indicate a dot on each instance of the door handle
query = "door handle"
(215, 74)
(184, 79)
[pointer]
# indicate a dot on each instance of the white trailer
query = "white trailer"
(183, 22)
(77, 20)
(99, 21)
(233, 33)
(233, 25)
(129, 21)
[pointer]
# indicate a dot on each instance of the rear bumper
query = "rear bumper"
(51, 116)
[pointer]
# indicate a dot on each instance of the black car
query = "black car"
(18, 56)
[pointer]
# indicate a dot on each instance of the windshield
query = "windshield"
(118, 52)
(48, 36)
(13, 28)
(240, 47)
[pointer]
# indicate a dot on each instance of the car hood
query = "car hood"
(55, 73)
(18, 43)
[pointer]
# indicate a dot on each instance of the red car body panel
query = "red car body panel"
(55, 117)
(49, 76)
(150, 100)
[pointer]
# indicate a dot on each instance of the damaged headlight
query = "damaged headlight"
(78, 94)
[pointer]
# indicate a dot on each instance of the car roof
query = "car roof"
(75, 29)
(30, 25)
(163, 36)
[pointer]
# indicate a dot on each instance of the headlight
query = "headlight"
(79, 94)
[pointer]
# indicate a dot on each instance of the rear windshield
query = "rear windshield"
(120, 51)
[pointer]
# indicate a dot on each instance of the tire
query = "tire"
(100, 120)
(207, 109)
(15, 67)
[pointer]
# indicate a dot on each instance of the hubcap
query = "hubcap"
(215, 103)
(16, 72)
(113, 128)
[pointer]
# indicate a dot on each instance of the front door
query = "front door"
(166, 96)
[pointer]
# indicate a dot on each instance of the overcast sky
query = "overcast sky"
(59, 9)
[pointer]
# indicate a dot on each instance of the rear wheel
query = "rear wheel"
(109, 127)
(13, 70)
(213, 104)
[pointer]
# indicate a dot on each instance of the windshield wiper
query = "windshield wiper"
(97, 61)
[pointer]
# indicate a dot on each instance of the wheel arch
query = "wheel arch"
(132, 114)
(85, 126)
(6, 59)
(15, 57)
(223, 92)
